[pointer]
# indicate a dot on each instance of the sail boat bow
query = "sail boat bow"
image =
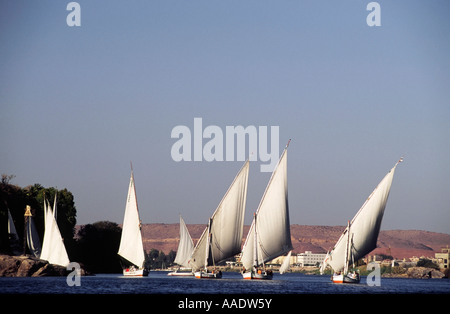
(360, 236)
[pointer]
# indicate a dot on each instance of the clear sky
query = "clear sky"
(77, 104)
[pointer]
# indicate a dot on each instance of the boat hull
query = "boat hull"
(347, 278)
(135, 272)
(208, 275)
(262, 275)
(180, 274)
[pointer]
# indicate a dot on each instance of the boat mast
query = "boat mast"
(208, 243)
(255, 245)
(137, 208)
(135, 197)
(346, 249)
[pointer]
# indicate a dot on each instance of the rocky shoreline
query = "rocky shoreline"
(29, 266)
(424, 273)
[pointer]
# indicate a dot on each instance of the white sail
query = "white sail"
(53, 249)
(131, 247)
(272, 221)
(33, 242)
(13, 236)
(185, 247)
(360, 236)
(286, 263)
(226, 226)
(47, 234)
(11, 227)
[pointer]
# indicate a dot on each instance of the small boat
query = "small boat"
(179, 273)
(349, 277)
(258, 273)
(131, 248)
(269, 235)
(208, 274)
(360, 236)
(222, 238)
(14, 242)
(134, 271)
(34, 245)
(184, 252)
(286, 263)
(53, 248)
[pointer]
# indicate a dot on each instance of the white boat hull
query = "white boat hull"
(261, 275)
(180, 274)
(347, 278)
(208, 275)
(135, 272)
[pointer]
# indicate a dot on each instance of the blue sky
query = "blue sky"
(77, 104)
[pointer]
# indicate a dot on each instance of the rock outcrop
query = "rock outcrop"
(27, 266)
(424, 273)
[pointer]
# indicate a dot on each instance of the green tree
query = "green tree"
(12, 198)
(424, 262)
(171, 257)
(156, 259)
(97, 246)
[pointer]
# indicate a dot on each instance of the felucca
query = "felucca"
(222, 238)
(360, 236)
(53, 248)
(131, 248)
(269, 235)
(184, 251)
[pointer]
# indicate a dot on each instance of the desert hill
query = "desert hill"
(318, 239)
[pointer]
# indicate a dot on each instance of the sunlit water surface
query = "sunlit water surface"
(232, 283)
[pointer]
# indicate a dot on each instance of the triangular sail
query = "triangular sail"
(46, 241)
(47, 234)
(286, 263)
(33, 242)
(11, 227)
(360, 236)
(131, 247)
(53, 249)
(226, 226)
(13, 236)
(272, 221)
(185, 247)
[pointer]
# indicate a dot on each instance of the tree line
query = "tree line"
(94, 246)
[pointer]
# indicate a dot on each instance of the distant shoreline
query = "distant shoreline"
(318, 239)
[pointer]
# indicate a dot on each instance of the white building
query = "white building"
(310, 259)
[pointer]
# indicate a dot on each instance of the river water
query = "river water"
(232, 283)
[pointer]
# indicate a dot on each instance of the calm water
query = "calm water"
(231, 283)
